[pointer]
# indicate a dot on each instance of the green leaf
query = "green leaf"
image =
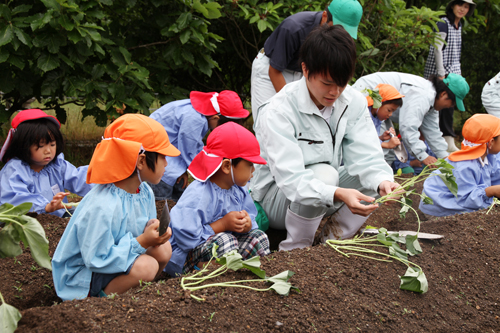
(183, 20)
(200, 8)
(18, 210)
(66, 22)
(282, 288)
(16, 61)
(47, 62)
(412, 245)
(9, 316)
(5, 12)
(126, 54)
(450, 182)
(6, 35)
(427, 200)
(283, 276)
(253, 264)
(396, 251)
(381, 237)
(22, 36)
(213, 10)
(37, 241)
(51, 4)
(3, 57)
(9, 242)
(184, 37)
(414, 280)
(261, 25)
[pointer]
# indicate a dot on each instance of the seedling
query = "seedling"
(19, 227)
(211, 316)
(495, 202)
(414, 279)
(234, 261)
(69, 205)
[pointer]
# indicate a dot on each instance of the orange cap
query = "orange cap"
(387, 92)
(115, 157)
(477, 131)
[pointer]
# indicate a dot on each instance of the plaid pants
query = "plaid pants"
(251, 244)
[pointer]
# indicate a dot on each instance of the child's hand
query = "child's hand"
(235, 221)
(248, 225)
(416, 164)
(151, 236)
(394, 142)
(184, 177)
(56, 202)
(385, 136)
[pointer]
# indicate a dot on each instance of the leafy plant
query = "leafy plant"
(414, 279)
(19, 227)
(234, 261)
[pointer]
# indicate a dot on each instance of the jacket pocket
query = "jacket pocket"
(316, 147)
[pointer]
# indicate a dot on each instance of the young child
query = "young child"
(216, 208)
(476, 171)
(107, 246)
(187, 122)
(413, 165)
(35, 169)
(390, 100)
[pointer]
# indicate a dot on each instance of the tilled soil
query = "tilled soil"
(336, 293)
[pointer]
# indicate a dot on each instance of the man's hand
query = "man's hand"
(387, 187)
(430, 160)
(352, 198)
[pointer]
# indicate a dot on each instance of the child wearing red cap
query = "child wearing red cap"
(35, 169)
(187, 122)
(476, 171)
(216, 208)
(109, 246)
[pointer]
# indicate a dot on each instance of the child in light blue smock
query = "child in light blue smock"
(216, 208)
(111, 243)
(187, 122)
(35, 169)
(476, 170)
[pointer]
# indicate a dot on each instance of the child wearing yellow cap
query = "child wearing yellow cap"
(108, 245)
(476, 171)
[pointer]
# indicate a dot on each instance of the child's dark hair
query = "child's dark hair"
(223, 120)
(398, 102)
(329, 50)
(449, 11)
(32, 132)
(440, 86)
(235, 161)
(151, 159)
(329, 17)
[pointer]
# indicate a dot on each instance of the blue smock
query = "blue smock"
(202, 204)
(186, 129)
(19, 183)
(101, 237)
(376, 122)
(472, 180)
(400, 165)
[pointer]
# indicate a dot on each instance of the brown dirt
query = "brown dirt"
(337, 294)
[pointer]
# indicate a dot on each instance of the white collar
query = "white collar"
(485, 162)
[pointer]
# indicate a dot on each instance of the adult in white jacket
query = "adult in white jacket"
(490, 96)
(423, 99)
(321, 147)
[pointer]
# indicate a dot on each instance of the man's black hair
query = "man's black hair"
(398, 102)
(32, 132)
(440, 86)
(329, 50)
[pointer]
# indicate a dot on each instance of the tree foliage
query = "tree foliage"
(114, 56)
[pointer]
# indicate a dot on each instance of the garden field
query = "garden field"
(335, 293)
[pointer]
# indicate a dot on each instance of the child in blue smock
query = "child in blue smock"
(111, 243)
(35, 169)
(476, 171)
(413, 165)
(216, 208)
(187, 122)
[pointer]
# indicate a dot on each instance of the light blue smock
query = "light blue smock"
(186, 129)
(202, 204)
(101, 237)
(376, 122)
(19, 183)
(400, 165)
(472, 180)
(416, 113)
(292, 135)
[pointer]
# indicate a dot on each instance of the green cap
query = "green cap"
(457, 84)
(347, 13)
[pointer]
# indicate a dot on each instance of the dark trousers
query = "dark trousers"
(446, 122)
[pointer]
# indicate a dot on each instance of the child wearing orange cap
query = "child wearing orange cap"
(35, 169)
(216, 208)
(108, 245)
(382, 102)
(476, 171)
(187, 122)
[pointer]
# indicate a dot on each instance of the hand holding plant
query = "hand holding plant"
(56, 202)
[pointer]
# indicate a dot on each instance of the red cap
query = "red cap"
(226, 103)
(229, 140)
(23, 116)
(32, 114)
